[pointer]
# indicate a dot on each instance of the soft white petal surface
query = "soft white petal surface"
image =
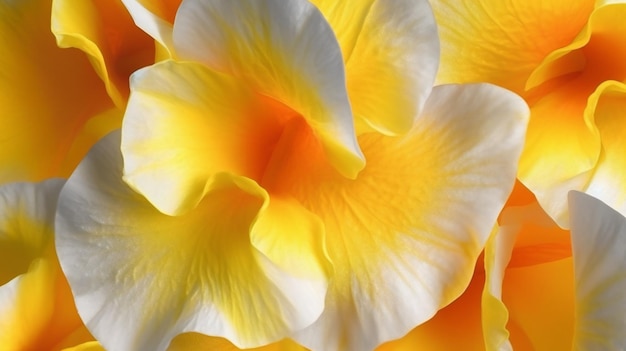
(141, 277)
(404, 236)
(283, 49)
(599, 251)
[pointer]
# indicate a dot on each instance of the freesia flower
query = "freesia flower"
(53, 103)
(36, 306)
(567, 60)
(291, 174)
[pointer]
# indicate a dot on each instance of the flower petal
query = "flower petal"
(598, 244)
(502, 42)
(391, 51)
(47, 95)
(155, 18)
(403, 237)
(36, 306)
(528, 251)
(609, 105)
(285, 50)
(195, 341)
(185, 124)
(104, 30)
(461, 318)
(141, 277)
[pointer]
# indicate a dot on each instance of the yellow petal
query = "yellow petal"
(160, 276)
(403, 237)
(610, 117)
(285, 50)
(461, 319)
(195, 341)
(528, 265)
(155, 17)
(36, 305)
(391, 51)
(104, 30)
(564, 143)
(502, 42)
(47, 95)
(185, 124)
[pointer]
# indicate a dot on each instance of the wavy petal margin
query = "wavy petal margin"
(285, 50)
(141, 277)
(404, 236)
(599, 250)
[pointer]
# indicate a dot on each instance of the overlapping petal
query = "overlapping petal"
(155, 17)
(598, 244)
(397, 254)
(502, 42)
(210, 277)
(391, 53)
(285, 50)
(36, 305)
(105, 32)
(47, 96)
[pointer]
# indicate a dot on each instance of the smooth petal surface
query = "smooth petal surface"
(609, 106)
(141, 277)
(391, 52)
(155, 17)
(47, 96)
(104, 30)
(528, 297)
(461, 319)
(185, 124)
(36, 306)
(563, 129)
(403, 237)
(599, 248)
(195, 341)
(285, 50)
(502, 42)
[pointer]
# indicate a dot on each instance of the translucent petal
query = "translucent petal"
(104, 30)
(285, 50)
(47, 96)
(141, 277)
(403, 237)
(391, 51)
(598, 244)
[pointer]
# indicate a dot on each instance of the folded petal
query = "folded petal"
(391, 52)
(598, 245)
(608, 103)
(461, 318)
(528, 267)
(141, 277)
(564, 144)
(502, 42)
(403, 237)
(195, 341)
(285, 50)
(36, 307)
(185, 124)
(47, 95)
(106, 33)
(155, 17)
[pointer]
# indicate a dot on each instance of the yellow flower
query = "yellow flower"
(291, 174)
(54, 106)
(549, 303)
(545, 288)
(568, 60)
(36, 306)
